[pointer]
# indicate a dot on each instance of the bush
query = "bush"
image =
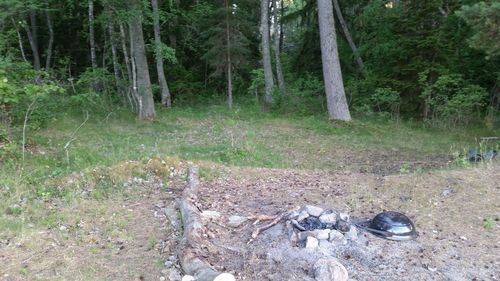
(305, 96)
(451, 99)
(386, 100)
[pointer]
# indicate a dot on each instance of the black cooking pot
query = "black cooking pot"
(390, 225)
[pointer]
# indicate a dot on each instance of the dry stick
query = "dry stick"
(25, 125)
(72, 137)
(277, 220)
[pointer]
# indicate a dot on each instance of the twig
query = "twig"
(72, 137)
(25, 125)
(278, 219)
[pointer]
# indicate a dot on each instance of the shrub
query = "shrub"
(452, 100)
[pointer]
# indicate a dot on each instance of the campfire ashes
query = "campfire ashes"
(324, 244)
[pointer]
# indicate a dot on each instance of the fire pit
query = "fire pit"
(310, 225)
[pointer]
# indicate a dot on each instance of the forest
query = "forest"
(435, 61)
(183, 140)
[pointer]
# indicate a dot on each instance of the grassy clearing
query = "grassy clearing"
(242, 137)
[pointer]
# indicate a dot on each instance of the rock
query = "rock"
(210, 215)
(344, 217)
(352, 234)
(294, 215)
(173, 216)
(174, 275)
(188, 278)
(337, 238)
(225, 277)
(329, 269)
(163, 278)
(311, 242)
(301, 236)
(322, 234)
(63, 228)
(343, 226)
(236, 221)
(313, 210)
(302, 216)
(330, 218)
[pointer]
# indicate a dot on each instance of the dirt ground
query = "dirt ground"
(456, 214)
(449, 209)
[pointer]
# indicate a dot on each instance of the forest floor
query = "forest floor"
(109, 214)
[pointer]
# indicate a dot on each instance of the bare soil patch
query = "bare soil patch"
(449, 209)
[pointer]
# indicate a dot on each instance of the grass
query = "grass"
(245, 136)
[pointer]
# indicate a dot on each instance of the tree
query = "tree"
(266, 53)
(334, 86)
(277, 48)
(142, 81)
(164, 91)
(93, 58)
(485, 22)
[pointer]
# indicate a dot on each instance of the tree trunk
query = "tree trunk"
(165, 92)
(348, 36)
(51, 40)
(266, 54)
(114, 54)
(146, 103)
(228, 60)
(334, 86)
(32, 33)
(282, 30)
(19, 39)
(130, 93)
(277, 53)
(93, 58)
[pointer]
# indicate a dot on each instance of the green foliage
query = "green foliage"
(386, 100)
(452, 99)
(489, 223)
(166, 53)
(256, 82)
(304, 96)
(484, 18)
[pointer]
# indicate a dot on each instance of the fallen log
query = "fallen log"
(190, 250)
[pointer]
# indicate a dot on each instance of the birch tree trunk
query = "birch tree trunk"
(228, 59)
(145, 94)
(92, 35)
(266, 54)
(348, 36)
(165, 92)
(51, 40)
(130, 93)
(277, 49)
(334, 86)
(19, 39)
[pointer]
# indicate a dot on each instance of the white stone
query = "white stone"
(236, 221)
(330, 269)
(337, 238)
(304, 234)
(344, 216)
(322, 234)
(313, 210)
(225, 277)
(211, 215)
(188, 278)
(302, 216)
(352, 234)
(312, 243)
(163, 278)
(328, 218)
